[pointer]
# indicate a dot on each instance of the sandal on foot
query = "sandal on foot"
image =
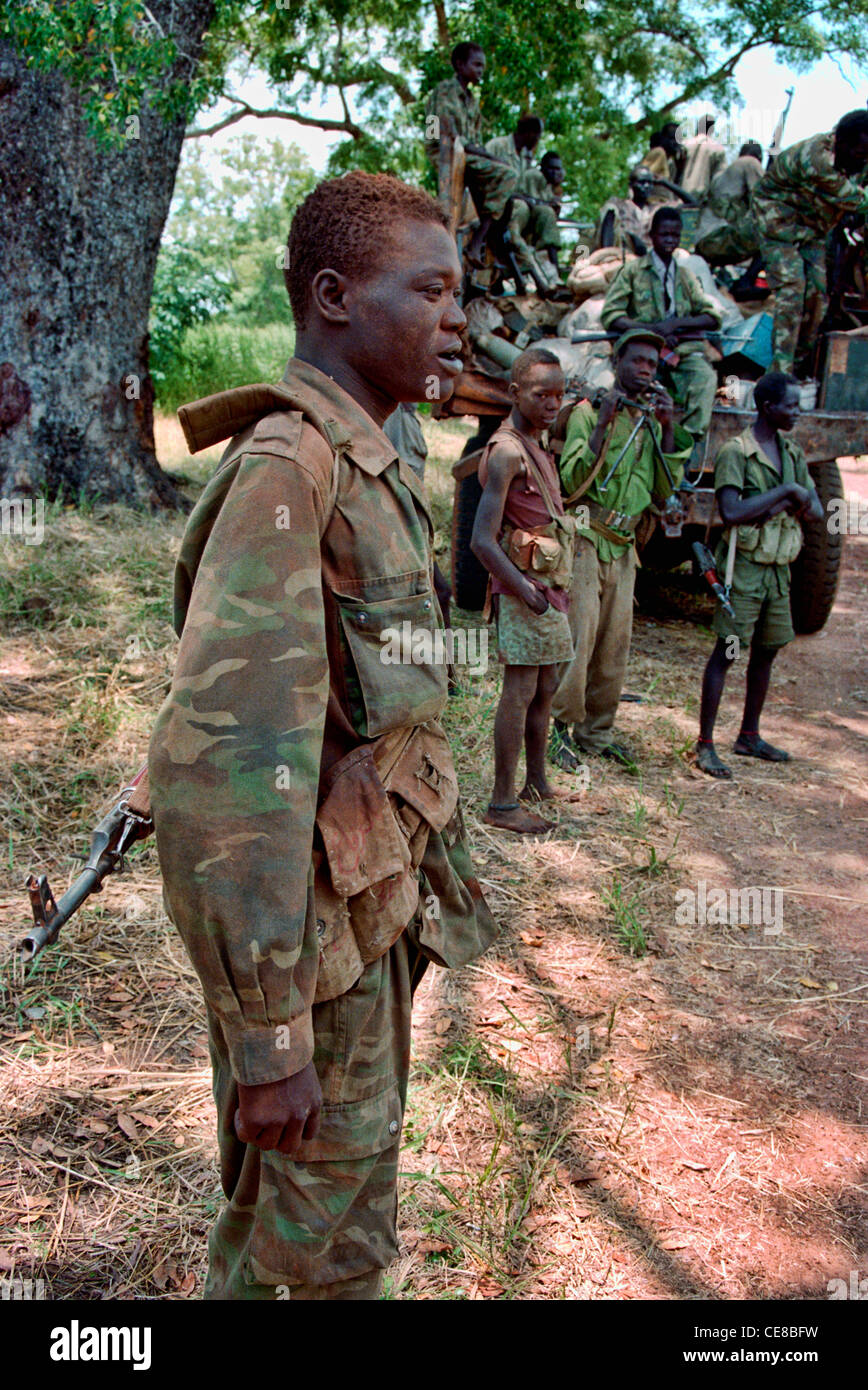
(561, 751)
(516, 818)
(619, 753)
(752, 746)
(708, 761)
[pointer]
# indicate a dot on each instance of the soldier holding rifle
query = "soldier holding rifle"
(616, 459)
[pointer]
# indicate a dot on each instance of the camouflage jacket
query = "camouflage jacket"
(532, 180)
(450, 100)
(637, 292)
(302, 790)
(803, 195)
(503, 147)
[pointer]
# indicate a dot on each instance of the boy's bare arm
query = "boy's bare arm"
(787, 497)
(504, 464)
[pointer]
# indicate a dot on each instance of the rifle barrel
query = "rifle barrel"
(88, 881)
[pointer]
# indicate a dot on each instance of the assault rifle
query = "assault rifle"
(708, 570)
(128, 820)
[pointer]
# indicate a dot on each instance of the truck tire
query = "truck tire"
(814, 579)
(469, 577)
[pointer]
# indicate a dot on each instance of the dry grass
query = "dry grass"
(587, 1118)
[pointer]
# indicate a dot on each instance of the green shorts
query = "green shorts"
(525, 638)
(761, 599)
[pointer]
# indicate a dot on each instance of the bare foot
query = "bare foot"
(514, 817)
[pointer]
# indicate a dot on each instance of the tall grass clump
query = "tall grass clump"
(218, 355)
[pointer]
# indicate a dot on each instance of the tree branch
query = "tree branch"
(443, 36)
(699, 84)
(244, 109)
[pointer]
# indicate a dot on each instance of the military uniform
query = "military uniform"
(705, 159)
(490, 182)
(795, 205)
(761, 580)
(402, 428)
(604, 570)
(660, 166)
(725, 225)
(305, 804)
(637, 292)
(631, 225)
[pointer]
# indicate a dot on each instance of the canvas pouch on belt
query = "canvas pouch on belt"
(380, 803)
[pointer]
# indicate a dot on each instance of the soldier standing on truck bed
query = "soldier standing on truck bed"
(522, 538)
(763, 489)
(604, 569)
(705, 157)
(303, 792)
(725, 232)
(491, 181)
(656, 292)
(795, 205)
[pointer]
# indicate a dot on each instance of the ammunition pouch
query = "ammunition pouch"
(380, 803)
(545, 552)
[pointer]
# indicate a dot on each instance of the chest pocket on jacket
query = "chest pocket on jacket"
(399, 677)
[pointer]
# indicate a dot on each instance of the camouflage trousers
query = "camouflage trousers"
(729, 244)
(323, 1225)
(531, 226)
(491, 184)
(797, 275)
(694, 384)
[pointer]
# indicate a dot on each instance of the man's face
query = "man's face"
(637, 367)
(665, 237)
(403, 320)
(851, 159)
(472, 70)
(640, 189)
(553, 172)
(527, 139)
(539, 394)
(784, 414)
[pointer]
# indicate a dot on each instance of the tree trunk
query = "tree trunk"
(80, 228)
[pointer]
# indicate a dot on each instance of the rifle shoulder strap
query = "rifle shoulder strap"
(596, 470)
(527, 458)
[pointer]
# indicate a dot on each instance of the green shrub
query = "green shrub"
(218, 355)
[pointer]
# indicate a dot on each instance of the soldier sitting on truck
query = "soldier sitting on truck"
(763, 489)
(521, 537)
(726, 232)
(617, 458)
(659, 294)
(536, 208)
(795, 205)
(490, 180)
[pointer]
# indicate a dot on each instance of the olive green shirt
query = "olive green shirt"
(742, 464)
(638, 479)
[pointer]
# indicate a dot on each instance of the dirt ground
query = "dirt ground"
(614, 1103)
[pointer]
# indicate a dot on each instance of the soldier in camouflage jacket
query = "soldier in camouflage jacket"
(795, 205)
(304, 798)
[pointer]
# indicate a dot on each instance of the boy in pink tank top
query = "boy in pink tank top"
(519, 526)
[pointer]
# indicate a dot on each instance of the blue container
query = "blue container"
(751, 339)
